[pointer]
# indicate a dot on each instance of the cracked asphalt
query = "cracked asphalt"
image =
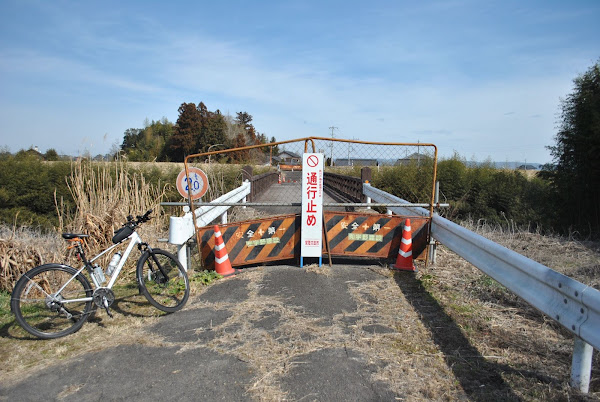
(269, 333)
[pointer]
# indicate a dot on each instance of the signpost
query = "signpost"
(311, 234)
(196, 185)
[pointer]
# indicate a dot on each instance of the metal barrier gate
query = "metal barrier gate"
(405, 169)
(278, 238)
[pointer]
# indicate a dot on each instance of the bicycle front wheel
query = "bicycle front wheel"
(162, 280)
(51, 301)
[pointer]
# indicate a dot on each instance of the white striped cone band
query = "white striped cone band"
(222, 259)
(218, 234)
(407, 241)
(405, 253)
(407, 228)
(219, 247)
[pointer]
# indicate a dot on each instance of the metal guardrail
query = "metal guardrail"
(299, 204)
(181, 228)
(381, 196)
(571, 303)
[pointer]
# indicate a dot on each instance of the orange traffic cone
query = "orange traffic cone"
(222, 263)
(404, 262)
(279, 182)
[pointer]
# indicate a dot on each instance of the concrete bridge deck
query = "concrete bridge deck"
(289, 191)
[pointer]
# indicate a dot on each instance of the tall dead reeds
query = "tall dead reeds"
(105, 194)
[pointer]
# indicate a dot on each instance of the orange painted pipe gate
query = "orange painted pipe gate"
(277, 238)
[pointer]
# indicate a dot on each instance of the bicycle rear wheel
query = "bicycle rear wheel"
(45, 313)
(162, 280)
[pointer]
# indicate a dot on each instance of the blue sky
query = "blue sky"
(483, 78)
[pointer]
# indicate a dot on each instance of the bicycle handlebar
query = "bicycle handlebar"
(145, 217)
(139, 218)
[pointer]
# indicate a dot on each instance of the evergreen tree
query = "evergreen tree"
(214, 130)
(51, 155)
(147, 144)
(187, 129)
(275, 148)
(575, 174)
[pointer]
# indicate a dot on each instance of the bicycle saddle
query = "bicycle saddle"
(70, 236)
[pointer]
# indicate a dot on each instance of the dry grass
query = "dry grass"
(456, 333)
(22, 249)
(578, 259)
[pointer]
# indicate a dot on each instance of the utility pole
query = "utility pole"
(350, 149)
(331, 145)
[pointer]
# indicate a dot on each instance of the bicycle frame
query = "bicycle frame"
(134, 239)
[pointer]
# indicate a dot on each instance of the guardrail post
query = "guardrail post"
(365, 177)
(245, 199)
(432, 242)
(182, 255)
(247, 176)
(224, 218)
(581, 368)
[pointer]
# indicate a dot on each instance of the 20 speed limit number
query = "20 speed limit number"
(195, 186)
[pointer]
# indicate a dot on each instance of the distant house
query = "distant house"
(413, 158)
(288, 158)
(355, 162)
(527, 167)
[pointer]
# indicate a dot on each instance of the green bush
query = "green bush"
(413, 182)
(27, 190)
(474, 192)
(495, 195)
(28, 187)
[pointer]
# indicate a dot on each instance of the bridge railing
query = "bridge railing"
(347, 186)
(572, 304)
(259, 183)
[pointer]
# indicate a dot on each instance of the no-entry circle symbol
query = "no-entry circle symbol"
(196, 185)
(312, 160)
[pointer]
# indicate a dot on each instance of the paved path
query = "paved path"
(289, 191)
(347, 333)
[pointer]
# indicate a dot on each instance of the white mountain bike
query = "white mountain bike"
(54, 300)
